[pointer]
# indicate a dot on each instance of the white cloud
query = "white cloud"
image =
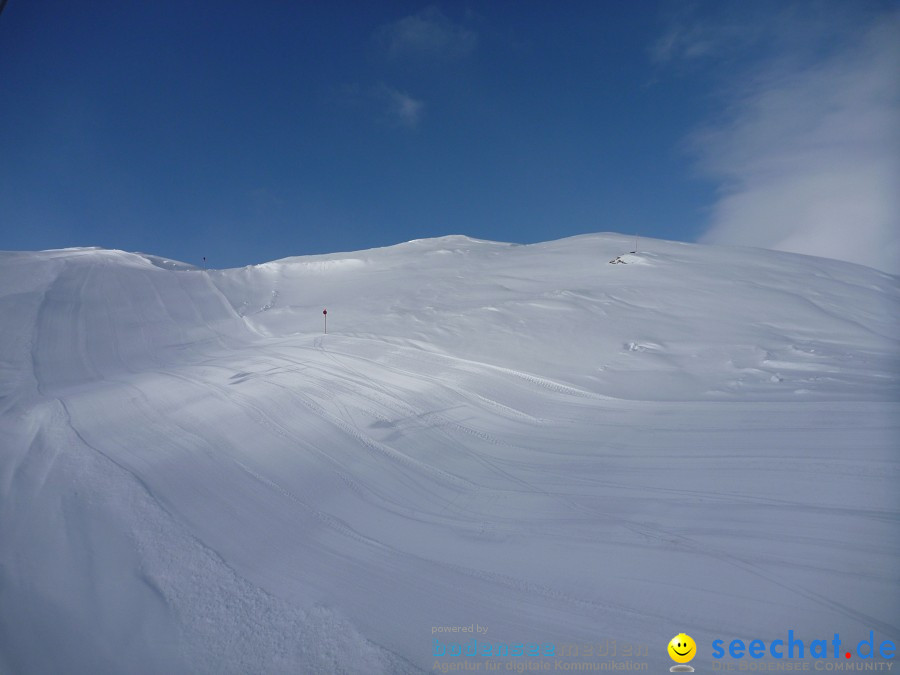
(807, 155)
(428, 34)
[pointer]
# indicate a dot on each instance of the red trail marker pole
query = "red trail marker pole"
(325, 314)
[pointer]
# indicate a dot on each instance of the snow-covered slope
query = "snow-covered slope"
(193, 478)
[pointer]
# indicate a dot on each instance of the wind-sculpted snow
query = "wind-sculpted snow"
(194, 478)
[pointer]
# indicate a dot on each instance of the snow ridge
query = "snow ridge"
(195, 478)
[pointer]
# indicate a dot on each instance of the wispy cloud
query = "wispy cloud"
(398, 107)
(428, 34)
(384, 104)
(807, 151)
(685, 38)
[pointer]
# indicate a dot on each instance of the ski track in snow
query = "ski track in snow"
(198, 485)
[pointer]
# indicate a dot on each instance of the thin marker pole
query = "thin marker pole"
(325, 314)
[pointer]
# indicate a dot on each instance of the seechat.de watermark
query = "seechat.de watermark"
(793, 653)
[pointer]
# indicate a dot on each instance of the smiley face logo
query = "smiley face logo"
(682, 648)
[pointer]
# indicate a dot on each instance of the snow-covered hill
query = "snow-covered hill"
(193, 478)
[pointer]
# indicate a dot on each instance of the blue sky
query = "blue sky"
(249, 131)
